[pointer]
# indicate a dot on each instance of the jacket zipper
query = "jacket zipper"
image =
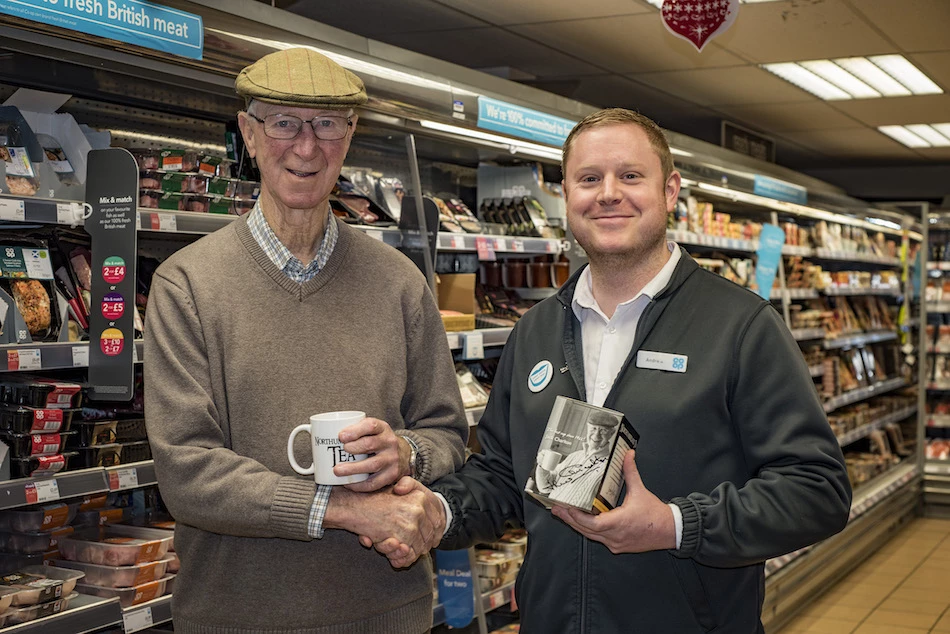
(583, 628)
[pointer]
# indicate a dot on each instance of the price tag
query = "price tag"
(137, 620)
(69, 214)
(453, 341)
(496, 599)
(550, 247)
(167, 222)
(517, 246)
(470, 417)
(138, 221)
(485, 251)
(473, 346)
(41, 491)
(458, 242)
(80, 356)
(499, 244)
(375, 234)
(24, 360)
(127, 478)
(12, 210)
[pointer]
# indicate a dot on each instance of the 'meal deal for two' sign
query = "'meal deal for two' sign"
(131, 21)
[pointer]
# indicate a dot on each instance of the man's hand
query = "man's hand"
(642, 523)
(391, 459)
(431, 527)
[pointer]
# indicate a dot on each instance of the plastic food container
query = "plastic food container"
(44, 518)
(30, 445)
(41, 466)
(6, 598)
(174, 565)
(38, 584)
(33, 543)
(101, 517)
(179, 161)
(129, 430)
(25, 420)
(117, 549)
(94, 433)
(43, 393)
(129, 596)
(135, 452)
(119, 576)
(100, 456)
(147, 159)
(33, 612)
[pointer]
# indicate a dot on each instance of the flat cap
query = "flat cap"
(302, 78)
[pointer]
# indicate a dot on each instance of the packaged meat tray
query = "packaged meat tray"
(101, 517)
(43, 518)
(99, 456)
(41, 466)
(135, 452)
(147, 159)
(215, 166)
(116, 549)
(39, 392)
(39, 584)
(178, 161)
(32, 445)
(6, 599)
(21, 419)
(94, 433)
(34, 543)
(129, 596)
(174, 564)
(119, 576)
(241, 206)
(33, 612)
(130, 429)
(33, 301)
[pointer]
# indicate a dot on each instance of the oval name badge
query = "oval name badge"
(540, 375)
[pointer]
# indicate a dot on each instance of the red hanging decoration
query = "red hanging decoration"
(698, 21)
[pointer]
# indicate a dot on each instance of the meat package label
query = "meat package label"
(25, 262)
(580, 460)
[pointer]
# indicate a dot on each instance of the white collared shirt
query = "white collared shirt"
(607, 342)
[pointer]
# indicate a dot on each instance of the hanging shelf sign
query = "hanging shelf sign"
(698, 21)
(522, 122)
(131, 21)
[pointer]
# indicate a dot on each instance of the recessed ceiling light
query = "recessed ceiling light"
(929, 134)
(858, 77)
(902, 135)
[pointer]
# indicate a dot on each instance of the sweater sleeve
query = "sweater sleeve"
(203, 482)
(483, 494)
(432, 404)
(800, 492)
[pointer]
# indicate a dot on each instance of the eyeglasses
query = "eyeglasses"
(287, 126)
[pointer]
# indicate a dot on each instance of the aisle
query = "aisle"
(903, 589)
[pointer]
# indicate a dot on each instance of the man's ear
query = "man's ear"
(247, 131)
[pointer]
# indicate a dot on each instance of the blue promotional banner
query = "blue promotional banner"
(456, 593)
(131, 21)
(769, 255)
(522, 122)
(780, 190)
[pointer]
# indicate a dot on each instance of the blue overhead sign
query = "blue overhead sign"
(522, 122)
(780, 190)
(131, 21)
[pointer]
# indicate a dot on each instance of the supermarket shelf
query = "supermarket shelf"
(490, 601)
(859, 339)
(498, 244)
(806, 334)
(32, 357)
(863, 431)
(816, 370)
(490, 337)
(938, 307)
(714, 242)
(70, 484)
(473, 415)
(85, 614)
(937, 467)
(802, 293)
(851, 256)
(41, 211)
(535, 294)
(181, 222)
(146, 614)
(938, 266)
(790, 249)
(939, 386)
(863, 393)
(850, 292)
(938, 420)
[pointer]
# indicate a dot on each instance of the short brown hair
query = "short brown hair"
(617, 116)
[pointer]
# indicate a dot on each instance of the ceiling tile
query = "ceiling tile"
(852, 143)
(898, 110)
(718, 86)
(372, 18)
(491, 48)
(506, 12)
(797, 30)
(611, 44)
(609, 91)
(782, 117)
(936, 154)
(935, 65)
(914, 25)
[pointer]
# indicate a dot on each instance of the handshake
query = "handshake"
(403, 521)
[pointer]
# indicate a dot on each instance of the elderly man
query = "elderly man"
(283, 314)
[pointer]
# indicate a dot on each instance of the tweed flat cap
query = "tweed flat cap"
(301, 78)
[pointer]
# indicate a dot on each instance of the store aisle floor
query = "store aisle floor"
(904, 588)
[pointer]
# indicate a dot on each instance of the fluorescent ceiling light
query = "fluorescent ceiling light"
(838, 76)
(496, 140)
(902, 135)
(807, 80)
(929, 134)
(856, 77)
(678, 152)
(906, 73)
(170, 141)
(863, 69)
(942, 128)
(883, 223)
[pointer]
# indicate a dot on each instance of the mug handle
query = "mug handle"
(290, 450)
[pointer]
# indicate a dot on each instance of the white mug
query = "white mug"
(548, 459)
(324, 430)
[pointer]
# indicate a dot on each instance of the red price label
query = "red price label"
(113, 270)
(31, 495)
(111, 342)
(113, 306)
(113, 481)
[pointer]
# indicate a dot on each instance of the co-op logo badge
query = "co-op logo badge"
(540, 376)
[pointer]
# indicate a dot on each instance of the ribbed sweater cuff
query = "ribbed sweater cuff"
(290, 511)
(424, 459)
(692, 528)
